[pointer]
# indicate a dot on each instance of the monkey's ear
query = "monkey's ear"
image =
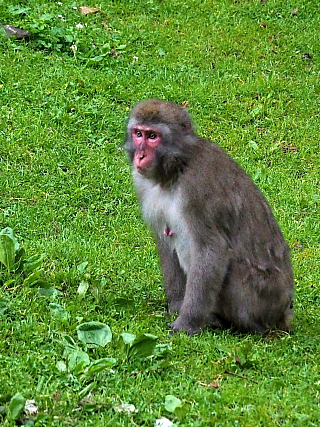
(186, 122)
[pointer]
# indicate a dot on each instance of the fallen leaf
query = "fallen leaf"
(214, 384)
(16, 32)
(87, 10)
(289, 148)
(263, 25)
(307, 56)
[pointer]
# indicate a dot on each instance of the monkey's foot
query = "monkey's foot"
(181, 325)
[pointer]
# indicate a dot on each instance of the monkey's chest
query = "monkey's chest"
(163, 213)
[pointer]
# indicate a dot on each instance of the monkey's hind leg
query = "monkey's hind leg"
(261, 303)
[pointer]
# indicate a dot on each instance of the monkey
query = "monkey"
(224, 260)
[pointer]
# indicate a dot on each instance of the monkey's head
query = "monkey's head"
(160, 138)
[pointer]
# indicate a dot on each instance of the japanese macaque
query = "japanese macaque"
(224, 260)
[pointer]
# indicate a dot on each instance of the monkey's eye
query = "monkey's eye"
(138, 133)
(152, 135)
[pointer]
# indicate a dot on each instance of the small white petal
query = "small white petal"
(30, 407)
(163, 422)
(127, 408)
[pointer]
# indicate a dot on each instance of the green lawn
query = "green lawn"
(249, 72)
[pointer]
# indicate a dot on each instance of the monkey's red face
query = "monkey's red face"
(146, 140)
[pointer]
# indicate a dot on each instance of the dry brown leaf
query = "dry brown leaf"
(289, 148)
(87, 10)
(214, 384)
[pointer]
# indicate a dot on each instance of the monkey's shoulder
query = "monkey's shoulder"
(212, 173)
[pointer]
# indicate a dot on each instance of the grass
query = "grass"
(249, 73)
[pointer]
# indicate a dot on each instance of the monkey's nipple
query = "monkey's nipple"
(167, 232)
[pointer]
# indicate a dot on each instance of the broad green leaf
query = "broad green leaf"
(7, 251)
(222, 348)
(4, 304)
(19, 10)
(106, 48)
(77, 357)
(85, 391)
(80, 368)
(253, 145)
(123, 304)
(46, 17)
(45, 289)
(100, 364)
(9, 232)
(58, 311)
(128, 339)
(61, 366)
(8, 283)
(81, 267)
(19, 259)
(82, 289)
(94, 333)
(143, 346)
(90, 407)
(33, 262)
(256, 111)
(163, 349)
(33, 278)
(172, 403)
(68, 341)
(16, 406)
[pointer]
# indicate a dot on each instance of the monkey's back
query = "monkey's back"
(227, 201)
(234, 209)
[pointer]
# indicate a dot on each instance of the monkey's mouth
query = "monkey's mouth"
(142, 170)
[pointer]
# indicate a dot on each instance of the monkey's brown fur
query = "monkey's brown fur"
(225, 262)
